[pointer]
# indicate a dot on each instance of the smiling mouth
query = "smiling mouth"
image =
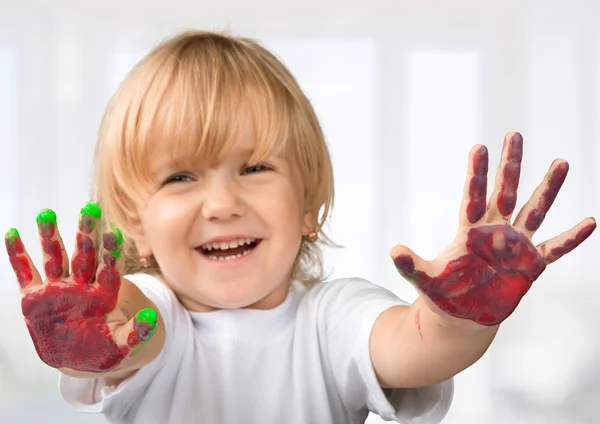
(224, 251)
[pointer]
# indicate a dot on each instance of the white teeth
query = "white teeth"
(226, 258)
(224, 245)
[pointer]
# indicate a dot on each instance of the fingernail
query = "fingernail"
(145, 323)
(92, 209)
(46, 216)
(12, 234)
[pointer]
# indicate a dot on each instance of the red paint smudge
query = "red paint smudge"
(558, 252)
(507, 197)
(18, 261)
(418, 322)
(67, 322)
(478, 186)
(555, 182)
(487, 283)
(84, 260)
(53, 264)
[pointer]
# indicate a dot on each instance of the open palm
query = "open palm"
(485, 272)
(72, 316)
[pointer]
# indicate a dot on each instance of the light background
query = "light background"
(403, 89)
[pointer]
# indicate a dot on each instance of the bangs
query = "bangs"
(200, 103)
(187, 104)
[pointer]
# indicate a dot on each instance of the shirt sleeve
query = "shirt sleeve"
(93, 395)
(352, 307)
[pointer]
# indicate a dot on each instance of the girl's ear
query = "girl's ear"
(136, 233)
(309, 223)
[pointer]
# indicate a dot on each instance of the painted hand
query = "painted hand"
(492, 263)
(73, 318)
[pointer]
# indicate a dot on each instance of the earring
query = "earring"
(145, 262)
(312, 236)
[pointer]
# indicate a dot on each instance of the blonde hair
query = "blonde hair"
(194, 91)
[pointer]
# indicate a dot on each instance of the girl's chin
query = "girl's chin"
(236, 300)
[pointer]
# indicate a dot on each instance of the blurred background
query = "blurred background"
(403, 89)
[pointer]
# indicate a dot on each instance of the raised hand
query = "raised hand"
(73, 318)
(488, 268)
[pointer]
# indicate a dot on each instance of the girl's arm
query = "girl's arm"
(475, 283)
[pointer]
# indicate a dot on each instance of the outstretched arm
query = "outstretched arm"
(477, 282)
(416, 347)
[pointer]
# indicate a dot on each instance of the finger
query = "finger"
(411, 266)
(475, 192)
(83, 264)
(555, 248)
(109, 271)
(533, 213)
(56, 262)
(27, 274)
(504, 198)
(137, 331)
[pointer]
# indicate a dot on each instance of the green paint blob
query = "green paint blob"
(118, 234)
(46, 216)
(115, 253)
(91, 209)
(12, 234)
(148, 315)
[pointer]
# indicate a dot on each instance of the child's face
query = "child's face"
(260, 208)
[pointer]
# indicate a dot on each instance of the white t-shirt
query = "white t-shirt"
(305, 362)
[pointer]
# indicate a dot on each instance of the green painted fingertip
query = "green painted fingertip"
(118, 235)
(46, 216)
(92, 209)
(147, 315)
(12, 234)
(118, 240)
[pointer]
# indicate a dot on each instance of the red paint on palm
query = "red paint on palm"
(67, 321)
(493, 263)
(68, 327)
(487, 283)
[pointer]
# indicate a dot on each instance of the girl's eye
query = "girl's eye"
(256, 168)
(177, 178)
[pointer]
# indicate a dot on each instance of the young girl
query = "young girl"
(212, 163)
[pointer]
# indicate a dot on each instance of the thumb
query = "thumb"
(138, 330)
(410, 265)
